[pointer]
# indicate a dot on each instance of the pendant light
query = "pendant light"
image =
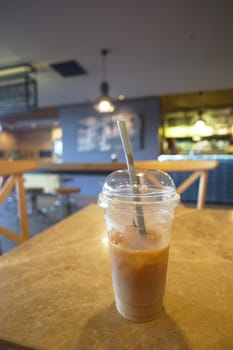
(200, 123)
(104, 104)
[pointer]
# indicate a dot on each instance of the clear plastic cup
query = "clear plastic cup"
(139, 223)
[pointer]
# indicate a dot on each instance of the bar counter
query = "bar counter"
(90, 176)
(220, 185)
(56, 292)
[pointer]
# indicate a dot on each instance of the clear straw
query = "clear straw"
(132, 172)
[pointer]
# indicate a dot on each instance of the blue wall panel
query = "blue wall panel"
(91, 184)
(148, 108)
(220, 180)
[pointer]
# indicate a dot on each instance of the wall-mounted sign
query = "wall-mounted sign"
(100, 133)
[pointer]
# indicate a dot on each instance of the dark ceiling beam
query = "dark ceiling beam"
(199, 100)
(40, 113)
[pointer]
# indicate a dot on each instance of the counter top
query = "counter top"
(81, 167)
(195, 156)
(56, 291)
(98, 167)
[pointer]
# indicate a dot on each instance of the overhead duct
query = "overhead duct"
(18, 88)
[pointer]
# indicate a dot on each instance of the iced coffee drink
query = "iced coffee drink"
(138, 260)
(138, 273)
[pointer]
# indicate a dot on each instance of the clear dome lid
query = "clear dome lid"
(150, 187)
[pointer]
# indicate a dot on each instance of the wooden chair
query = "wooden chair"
(11, 173)
(33, 193)
(56, 186)
(198, 168)
(66, 192)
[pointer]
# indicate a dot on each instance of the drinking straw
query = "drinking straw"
(132, 172)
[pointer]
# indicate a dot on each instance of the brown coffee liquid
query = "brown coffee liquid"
(139, 268)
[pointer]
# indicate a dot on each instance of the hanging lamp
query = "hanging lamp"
(200, 123)
(104, 104)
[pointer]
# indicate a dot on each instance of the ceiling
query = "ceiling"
(156, 46)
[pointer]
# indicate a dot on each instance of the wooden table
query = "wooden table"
(56, 293)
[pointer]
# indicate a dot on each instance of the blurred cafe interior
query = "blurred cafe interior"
(173, 85)
(68, 71)
(166, 69)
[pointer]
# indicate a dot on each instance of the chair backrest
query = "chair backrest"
(14, 167)
(198, 169)
(11, 175)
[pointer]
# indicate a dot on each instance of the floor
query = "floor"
(48, 211)
(51, 210)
